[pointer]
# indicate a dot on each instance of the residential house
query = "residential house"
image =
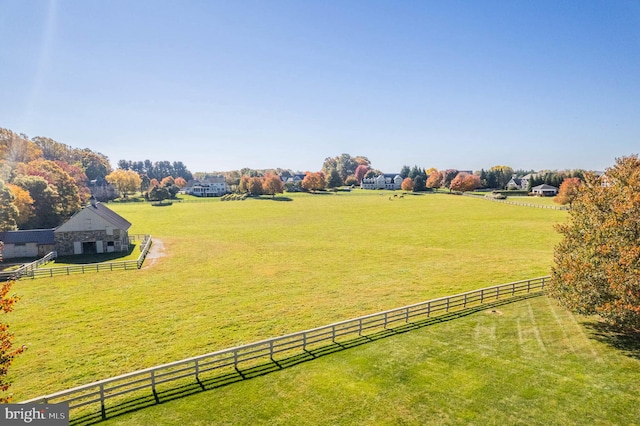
(215, 186)
(544, 190)
(384, 181)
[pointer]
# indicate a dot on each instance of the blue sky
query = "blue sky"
(222, 85)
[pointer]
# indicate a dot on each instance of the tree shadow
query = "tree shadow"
(241, 374)
(625, 341)
(276, 198)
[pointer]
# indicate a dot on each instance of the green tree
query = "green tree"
(45, 201)
(419, 184)
(9, 212)
(404, 171)
(333, 179)
(597, 264)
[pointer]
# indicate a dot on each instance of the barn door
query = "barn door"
(77, 247)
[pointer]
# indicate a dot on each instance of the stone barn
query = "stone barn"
(94, 229)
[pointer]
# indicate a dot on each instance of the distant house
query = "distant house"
(102, 190)
(520, 183)
(27, 243)
(544, 190)
(384, 181)
(94, 229)
(514, 183)
(215, 186)
(293, 183)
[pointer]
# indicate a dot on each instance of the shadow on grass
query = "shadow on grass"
(272, 366)
(627, 342)
(274, 198)
(95, 258)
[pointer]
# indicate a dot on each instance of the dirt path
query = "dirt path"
(155, 253)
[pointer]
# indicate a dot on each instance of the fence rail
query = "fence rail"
(230, 360)
(145, 246)
(515, 203)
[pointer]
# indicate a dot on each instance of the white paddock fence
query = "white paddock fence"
(145, 246)
(233, 360)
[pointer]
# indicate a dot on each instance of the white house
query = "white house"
(544, 190)
(215, 186)
(385, 181)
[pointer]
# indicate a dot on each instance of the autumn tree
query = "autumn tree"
(407, 184)
(23, 202)
(254, 185)
(465, 182)
(448, 176)
(125, 181)
(568, 191)
(7, 351)
(272, 185)
(66, 195)
(180, 182)
(597, 264)
(435, 180)
(360, 172)
(45, 202)
(313, 181)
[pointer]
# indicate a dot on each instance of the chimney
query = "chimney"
(93, 201)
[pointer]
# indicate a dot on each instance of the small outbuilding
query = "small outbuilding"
(27, 243)
(544, 190)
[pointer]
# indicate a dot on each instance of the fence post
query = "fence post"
(465, 300)
(385, 320)
(333, 333)
(428, 309)
(447, 304)
(360, 327)
(103, 410)
(304, 341)
(481, 296)
(271, 349)
(197, 367)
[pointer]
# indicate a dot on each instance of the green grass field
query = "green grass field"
(527, 363)
(239, 271)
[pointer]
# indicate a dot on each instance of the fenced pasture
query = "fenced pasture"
(528, 362)
(231, 361)
(235, 273)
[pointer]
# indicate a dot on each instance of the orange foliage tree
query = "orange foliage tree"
(313, 181)
(465, 182)
(435, 180)
(568, 191)
(272, 185)
(407, 184)
(7, 352)
(597, 264)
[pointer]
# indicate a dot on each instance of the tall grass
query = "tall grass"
(240, 271)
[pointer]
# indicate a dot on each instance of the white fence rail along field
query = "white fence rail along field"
(233, 360)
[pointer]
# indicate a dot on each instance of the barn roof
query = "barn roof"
(109, 215)
(40, 236)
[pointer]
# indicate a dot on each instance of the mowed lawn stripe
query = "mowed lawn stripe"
(476, 369)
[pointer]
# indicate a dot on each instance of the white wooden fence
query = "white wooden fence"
(145, 245)
(233, 360)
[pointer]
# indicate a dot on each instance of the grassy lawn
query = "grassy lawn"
(528, 362)
(240, 271)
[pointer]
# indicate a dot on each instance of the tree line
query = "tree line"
(44, 182)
